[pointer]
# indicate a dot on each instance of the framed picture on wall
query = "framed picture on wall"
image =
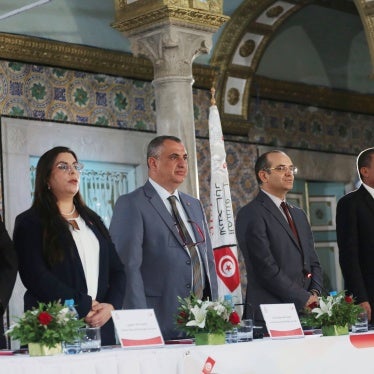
(328, 254)
(295, 199)
(322, 212)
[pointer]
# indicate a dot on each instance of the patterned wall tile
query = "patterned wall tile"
(240, 158)
(71, 96)
(301, 126)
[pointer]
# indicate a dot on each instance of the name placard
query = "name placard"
(137, 328)
(282, 321)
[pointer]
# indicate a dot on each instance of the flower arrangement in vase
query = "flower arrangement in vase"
(333, 313)
(206, 320)
(44, 328)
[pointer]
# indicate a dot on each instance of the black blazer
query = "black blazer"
(66, 279)
(355, 234)
(8, 273)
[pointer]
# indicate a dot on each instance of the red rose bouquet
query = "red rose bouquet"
(197, 316)
(49, 324)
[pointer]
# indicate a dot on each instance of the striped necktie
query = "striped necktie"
(188, 242)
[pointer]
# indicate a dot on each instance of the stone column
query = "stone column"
(172, 33)
(172, 50)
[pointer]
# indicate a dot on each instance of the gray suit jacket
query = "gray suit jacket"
(275, 262)
(157, 267)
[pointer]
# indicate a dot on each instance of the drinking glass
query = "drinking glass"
(245, 331)
(91, 339)
(361, 324)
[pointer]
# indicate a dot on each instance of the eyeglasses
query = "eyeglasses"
(64, 166)
(199, 238)
(283, 169)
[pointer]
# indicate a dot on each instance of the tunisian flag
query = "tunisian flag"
(221, 224)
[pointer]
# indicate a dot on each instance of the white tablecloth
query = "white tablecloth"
(307, 355)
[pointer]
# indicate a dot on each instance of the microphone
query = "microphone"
(309, 275)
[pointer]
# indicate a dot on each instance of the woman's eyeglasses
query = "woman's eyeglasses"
(64, 166)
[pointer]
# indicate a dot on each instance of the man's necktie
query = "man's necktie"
(290, 220)
(187, 240)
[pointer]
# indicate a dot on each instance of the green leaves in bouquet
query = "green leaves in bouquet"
(339, 310)
(48, 324)
(196, 316)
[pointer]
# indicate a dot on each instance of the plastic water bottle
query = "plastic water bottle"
(72, 348)
(231, 336)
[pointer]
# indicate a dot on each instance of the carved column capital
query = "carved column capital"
(171, 49)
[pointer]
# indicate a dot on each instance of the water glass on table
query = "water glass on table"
(90, 339)
(232, 336)
(72, 348)
(245, 330)
(361, 324)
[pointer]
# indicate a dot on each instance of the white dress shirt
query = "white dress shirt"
(369, 189)
(88, 249)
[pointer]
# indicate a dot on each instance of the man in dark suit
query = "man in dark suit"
(282, 266)
(154, 250)
(8, 273)
(355, 234)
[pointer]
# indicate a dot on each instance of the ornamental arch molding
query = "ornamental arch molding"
(242, 44)
(239, 51)
(366, 11)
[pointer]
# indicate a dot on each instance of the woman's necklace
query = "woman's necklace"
(69, 214)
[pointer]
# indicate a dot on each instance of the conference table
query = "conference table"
(308, 355)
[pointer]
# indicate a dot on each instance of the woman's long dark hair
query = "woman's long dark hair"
(45, 202)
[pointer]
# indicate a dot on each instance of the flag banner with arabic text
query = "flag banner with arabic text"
(221, 224)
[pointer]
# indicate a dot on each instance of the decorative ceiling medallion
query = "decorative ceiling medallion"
(233, 96)
(247, 48)
(275, 11)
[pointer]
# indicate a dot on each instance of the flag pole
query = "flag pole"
(221, 223)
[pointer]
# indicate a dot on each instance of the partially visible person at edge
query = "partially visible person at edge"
(282, 266)
(355, 235)
(64, 249)
(8, 274)
(157, 260)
